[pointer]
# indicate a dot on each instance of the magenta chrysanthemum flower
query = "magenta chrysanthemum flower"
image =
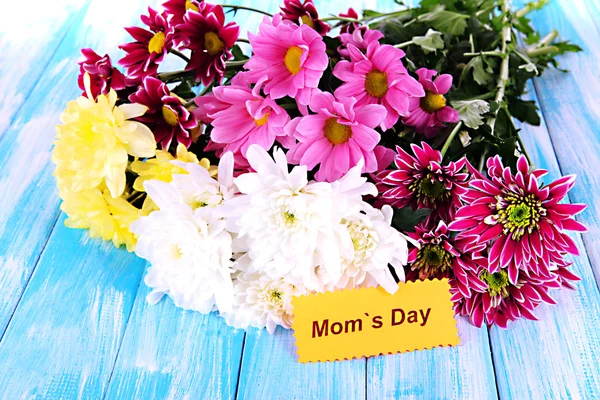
(103, 76)
(349, 27)
(305, 13)
(378, 77)
(521, 220)
(422, 181)
(204, 32)
(361, 38)
(337, 137)
(241, 116)
(166, 116)
(441, 256)
(292, 58)
(149, 48)
(500, 301)
(428, 114)
(176, 9)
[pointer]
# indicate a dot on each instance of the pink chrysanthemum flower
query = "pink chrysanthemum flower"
(176, 9)
(204, 32)
(305, 13)
(429, 113)
(241, 116)
(422, 181)
(166, 116)
(378, 77)
(361, 38)
(441, 256)
(500, 301)
(292, 57)
(337, 137)
(103, 76)
(522, 220)
(149, 48)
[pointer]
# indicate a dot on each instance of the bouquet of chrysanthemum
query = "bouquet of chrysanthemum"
(321, 154)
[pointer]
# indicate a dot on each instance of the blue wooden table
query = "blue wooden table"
(74, 322)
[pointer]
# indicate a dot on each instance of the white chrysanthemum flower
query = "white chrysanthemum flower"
(261, 301)
(375, 244)
(186, 241)
(198, 188)
(286, 222)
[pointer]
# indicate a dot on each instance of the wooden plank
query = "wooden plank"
(29, 34)
(28, 205)
(81, 297)
(571, 108)
(270, 370)
(462, 372)
(63, 339)
(172, 353)
(557, 356)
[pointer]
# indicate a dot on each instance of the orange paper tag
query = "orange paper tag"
(368, 322)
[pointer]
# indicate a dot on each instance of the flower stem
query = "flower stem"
(233, 64)
(486, 53)
(180, 55)
(336, 18)
(523, 149)
(540, 51)
(451, 137)
(501, 87)
(246, 8)
(242, 40)
(175, 75)
(403, 45)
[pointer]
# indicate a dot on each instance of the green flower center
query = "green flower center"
(519, 214)
(430, 191)
(497, 282)
(432, 259)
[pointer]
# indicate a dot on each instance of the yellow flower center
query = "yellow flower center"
(337, 133)
(157, 43)
(307, 21)
(432, 102)
(376, 83)
(190, 6)
(262, 121)
(169, 116)
(212, 43)
(293, 58)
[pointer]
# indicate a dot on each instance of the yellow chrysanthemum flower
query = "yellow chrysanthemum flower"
(105, 216)
(162, 168)
(94, 140)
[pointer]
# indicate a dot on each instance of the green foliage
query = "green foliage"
(405, 219)
(473, 46)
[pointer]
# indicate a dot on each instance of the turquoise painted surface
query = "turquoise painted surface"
(73, 318)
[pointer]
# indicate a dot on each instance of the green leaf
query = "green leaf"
(446, 21)
(431, 42)
(371, 13)
(238, 54)
(483, 69)
(184, 90)
(524, 111)
(405, 219)
(472, 111)
(564, 47)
